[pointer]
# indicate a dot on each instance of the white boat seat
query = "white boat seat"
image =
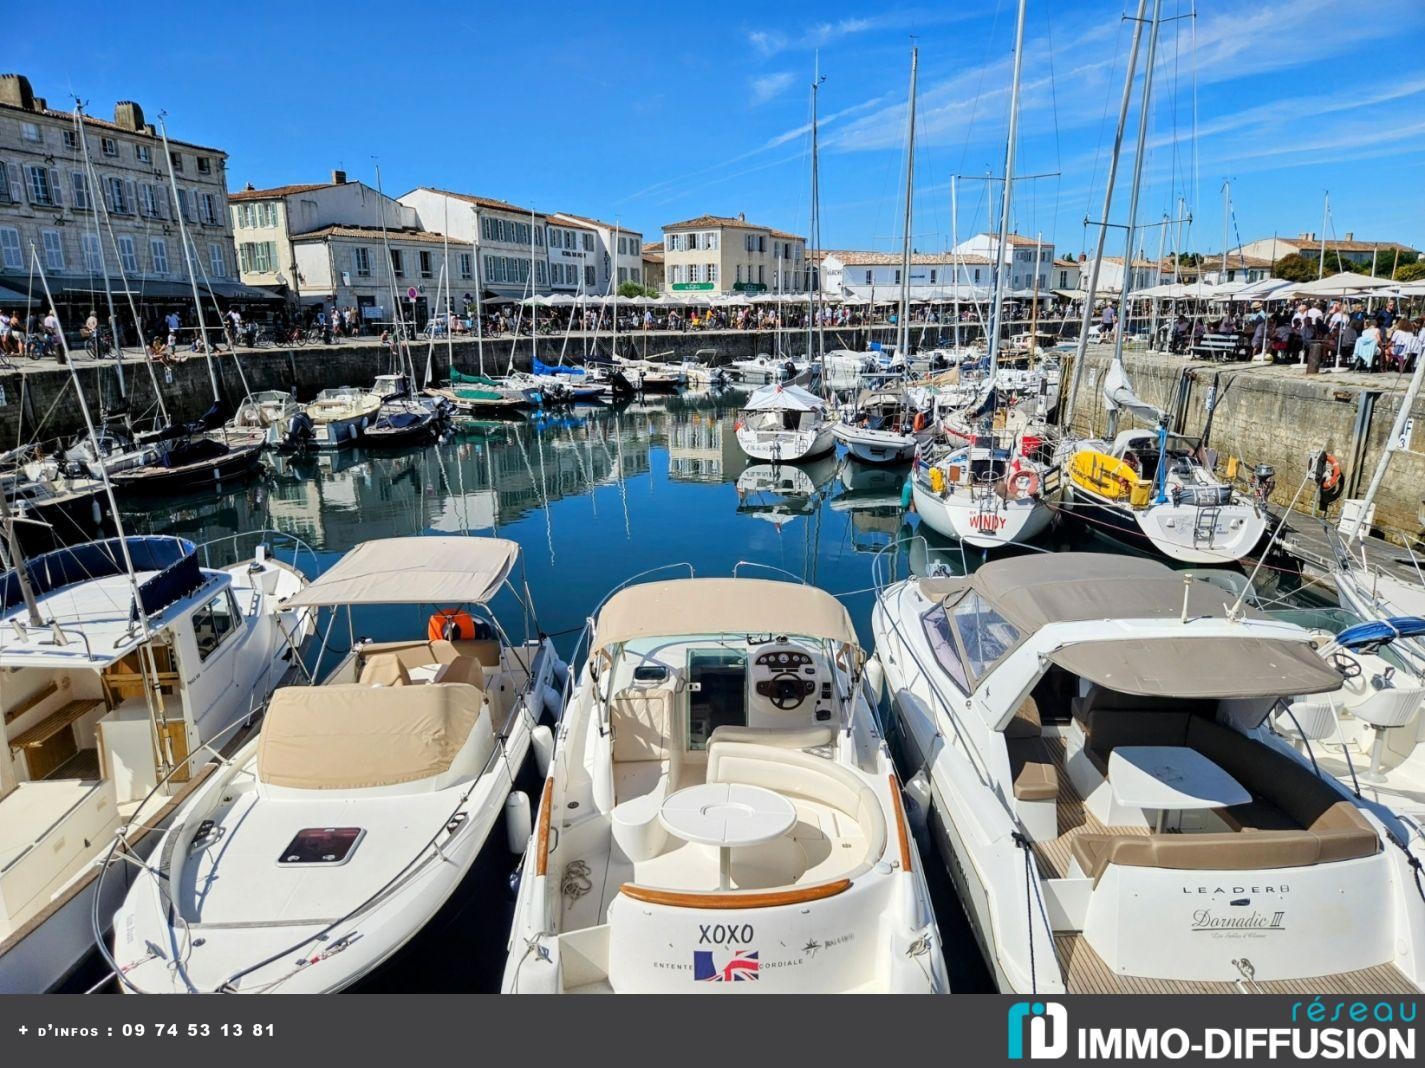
(1314, 721)
(645, 765)
(783, 737)
(1393, 707)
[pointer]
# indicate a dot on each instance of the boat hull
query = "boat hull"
(1173, 530)
(985, 521)
(876, 446)
(238, 463)
(786, 447)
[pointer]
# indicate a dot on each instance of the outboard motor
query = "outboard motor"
(299, 432)
(622, 387)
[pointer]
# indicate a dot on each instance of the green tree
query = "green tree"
(633, 289)
(1410, 272)
(1296, 268)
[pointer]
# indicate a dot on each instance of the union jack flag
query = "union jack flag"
(740, 967)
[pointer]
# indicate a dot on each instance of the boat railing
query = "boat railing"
(881, 577)
(766, 567)
(639, 577)
(273, 539)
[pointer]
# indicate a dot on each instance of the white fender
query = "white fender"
(518, 826)
(541, 740)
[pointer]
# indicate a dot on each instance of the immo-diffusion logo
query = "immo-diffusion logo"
(1048, 1027)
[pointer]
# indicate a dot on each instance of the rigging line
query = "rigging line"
(1058, 150)
(979, 91)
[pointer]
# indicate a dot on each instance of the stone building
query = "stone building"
(115, 217)
(723, 254)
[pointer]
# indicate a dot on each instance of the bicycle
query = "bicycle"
(99, 345)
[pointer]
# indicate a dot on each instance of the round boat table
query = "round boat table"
(727, 814)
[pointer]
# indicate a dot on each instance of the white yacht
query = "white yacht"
(339, 416)
(272, 415)
(722, 809)
(1369, 733)
(785, 424)
(328, 841)
(879, 427)
(1092, 742)
(113, 684)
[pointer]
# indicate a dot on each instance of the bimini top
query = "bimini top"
(351, 737)
(444, 570)
(1022, 595)
(721, 606)
(1035, 591)
(168, 568)
(783, 398)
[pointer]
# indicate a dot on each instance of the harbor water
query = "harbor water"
(595, 496)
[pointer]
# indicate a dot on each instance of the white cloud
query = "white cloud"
(770, 86)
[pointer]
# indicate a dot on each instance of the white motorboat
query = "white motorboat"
(339, 416)
(1368, 734)
(762, 368)
(722, 814)
(114, 688)
(1091, 739)
(274, 415)
(785, 424)
(330, 840)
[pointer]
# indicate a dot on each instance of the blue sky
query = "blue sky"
(654, 113)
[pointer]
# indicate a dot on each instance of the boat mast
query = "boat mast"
(17, 560)
(1325, 221)
(1131, 226)
(903, 323)
(188, 255)
(955, 256)
(479, 284)
(813, 291)
(1096, 262)
(402, 349)
(103, 264)
(1006, 196)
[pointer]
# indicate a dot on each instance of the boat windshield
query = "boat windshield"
(983, 637)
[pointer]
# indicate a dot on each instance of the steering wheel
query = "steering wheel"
(788, 692)
(1348, 666)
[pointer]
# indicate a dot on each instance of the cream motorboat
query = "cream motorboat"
(879, 427)
(109, 705)
(272, 415)
(330, 840)
(1092, 742)
(785, 424)
(722, 809)
(339, 416)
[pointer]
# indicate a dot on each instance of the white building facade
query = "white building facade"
(1027, 259)
(510, 239)
(359, 267)
(846, 272)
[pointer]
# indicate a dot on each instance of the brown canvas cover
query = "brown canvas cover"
(434, 570)
(346, 737)
(1205, 667)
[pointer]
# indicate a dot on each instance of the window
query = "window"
(118, 202)
(712, 272)
(398, 266)
(569, 239)
(695, 272)
(93, 253)
(185, 204)
(267, 214)
(40, 190)
(175, 160)
(148, 203)
(739, 274)
(205, 165)
(71, 140)
(675, 274)
(31, 132)
(761, 244)
(984, 634)
(258, 256)
(898, 276)
(54, 250)
(932, 276)
(321, 845)
(208, 209)
(711, 240)
(127, 257)
(108, 146)
(217, 262)
(361, 262)
(6, 193)
(427, 271)
(868, 277)
(589, 277)
(465, 265)
(143, 153)
(81, 189)
(942, 644)
(539, 236)
(10, 248)
(588, 242)
(761, 274)
(977, 274)
(214, 622)
(635, 273)
(158, 254)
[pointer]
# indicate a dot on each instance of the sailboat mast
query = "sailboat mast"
(17, 560)
(188, 257)
(1097, 261)
(903, 320)
(814, 236)
(103, 264)
(1007, 195)
(955, 256)
(1130, 232)
(403, 351)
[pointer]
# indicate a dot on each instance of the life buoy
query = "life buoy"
(1024, 482)
(1330, 472)
(451, 624)
(919, 423)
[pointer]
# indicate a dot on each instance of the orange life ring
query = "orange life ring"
(1331, 474)
(1023, 481)
(919, 423)
(451, 624)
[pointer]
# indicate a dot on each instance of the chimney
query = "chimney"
(15, 90)
(128, 115)
(248, 188)
(338, 177)
(1306, 236)
(1350, 235)
(741, 216)
(41, 104)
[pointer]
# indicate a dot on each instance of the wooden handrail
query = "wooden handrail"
(902, 831)
(541, 841)
(742, 899)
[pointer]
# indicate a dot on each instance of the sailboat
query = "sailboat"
(988, 489)
(785, 424)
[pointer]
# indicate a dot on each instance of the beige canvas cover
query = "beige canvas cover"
(1204, 667)
(436, 570)
(722, 606)
(347, 737)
